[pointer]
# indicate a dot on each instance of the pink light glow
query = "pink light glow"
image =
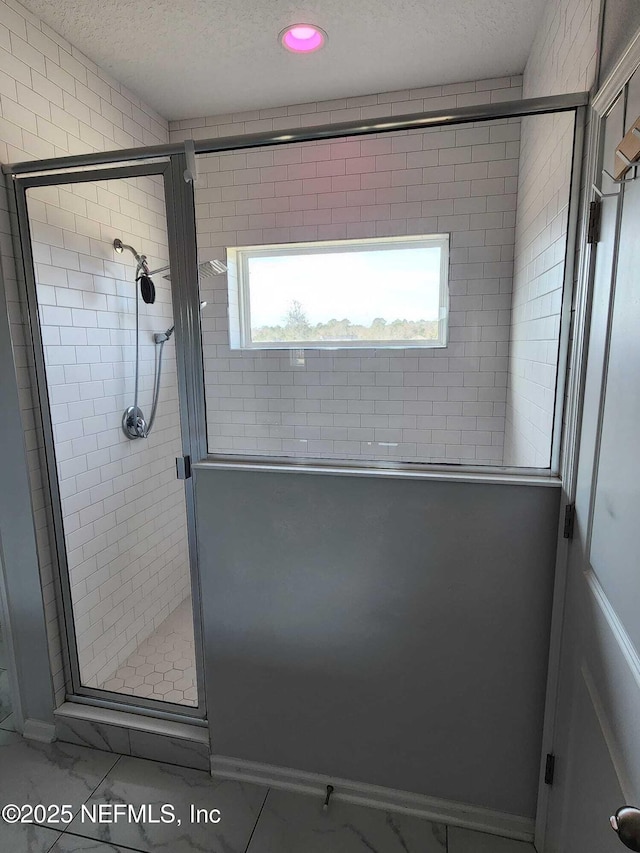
(303, 38)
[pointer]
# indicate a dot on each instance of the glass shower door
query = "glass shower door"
(104, 318)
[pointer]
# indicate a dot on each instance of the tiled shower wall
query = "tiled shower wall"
(430, 405)
(563, 59)
(123, 509)
(541, 238)
(53, 101)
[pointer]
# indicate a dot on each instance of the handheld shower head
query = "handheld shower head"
(147, 289)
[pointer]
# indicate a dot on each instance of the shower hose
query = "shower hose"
(159, 340)
(156, 383)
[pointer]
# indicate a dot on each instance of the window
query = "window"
(386, 292)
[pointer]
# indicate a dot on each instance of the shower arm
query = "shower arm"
(119, 246)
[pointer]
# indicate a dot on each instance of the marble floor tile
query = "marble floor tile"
(170, 750)
(164, 665)
(27, 838)
(252, 820)
(68, 843)
(136, 782)
(468, 841)
(96, 735)
(5, 696)
(56, 773)
(296, 823)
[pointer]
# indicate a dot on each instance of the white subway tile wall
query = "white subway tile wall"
(564, 54)
(432, 405)
(123, 508)
(563, 59)
(53, 101)
(541, 241)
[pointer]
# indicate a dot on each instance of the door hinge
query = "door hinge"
(569, 519)
(183, 467)
(593, 227)
(549, 768)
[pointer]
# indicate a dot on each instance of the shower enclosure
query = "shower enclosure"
(107, 322)
(130, 362)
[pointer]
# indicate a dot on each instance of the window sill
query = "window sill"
(287, 346)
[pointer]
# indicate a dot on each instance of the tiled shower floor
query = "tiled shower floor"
(164, 665)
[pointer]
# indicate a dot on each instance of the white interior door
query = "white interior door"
(597, 736)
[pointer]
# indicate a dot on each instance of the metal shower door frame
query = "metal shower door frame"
(181, 233)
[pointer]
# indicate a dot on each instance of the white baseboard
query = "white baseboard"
(374, 796)
(39, 730)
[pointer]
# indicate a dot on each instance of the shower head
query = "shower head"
(207, 269)
(147, 288)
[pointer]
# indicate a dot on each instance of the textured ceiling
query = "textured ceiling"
(190, 58)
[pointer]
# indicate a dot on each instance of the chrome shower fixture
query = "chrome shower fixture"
(119, 246)
(207, 269)
(143, 274)
(134, 423)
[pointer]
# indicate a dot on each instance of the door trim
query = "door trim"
(600, 105)
(605, 728)
(618, 631)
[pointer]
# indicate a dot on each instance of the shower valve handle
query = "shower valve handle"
(134, 424)
(140, 426)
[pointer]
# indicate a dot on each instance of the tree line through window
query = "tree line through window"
(296, 327)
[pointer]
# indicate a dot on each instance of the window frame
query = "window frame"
(238, 258)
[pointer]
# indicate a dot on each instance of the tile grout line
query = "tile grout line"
(119, 846)
(86, 800)
(91, 795)
(255, 826)
(49, 849)
(168, 763)
(118, 758)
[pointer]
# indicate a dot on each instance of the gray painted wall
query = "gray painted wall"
(393, 632)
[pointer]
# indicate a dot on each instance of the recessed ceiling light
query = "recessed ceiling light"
(303, 38)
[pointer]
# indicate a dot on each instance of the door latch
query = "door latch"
(183, 467)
